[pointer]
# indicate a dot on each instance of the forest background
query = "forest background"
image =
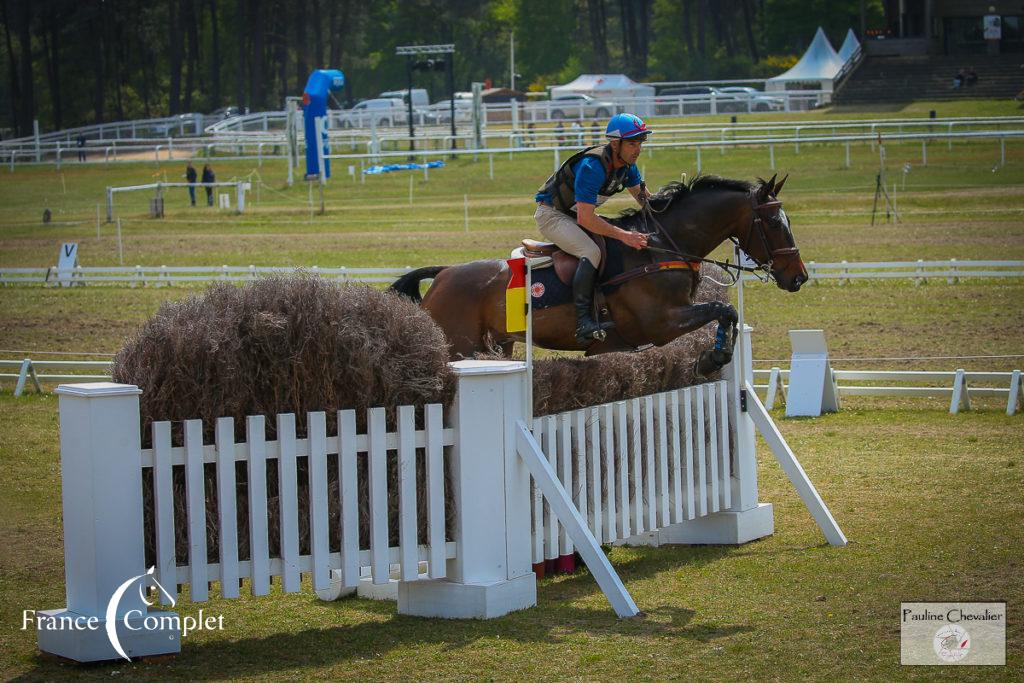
(73, 62)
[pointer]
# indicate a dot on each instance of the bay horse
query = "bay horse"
(684, 221)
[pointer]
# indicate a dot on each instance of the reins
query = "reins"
(647, 213)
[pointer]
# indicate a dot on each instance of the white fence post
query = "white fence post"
(491, 574)
(101, 462)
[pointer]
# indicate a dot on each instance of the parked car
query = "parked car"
(223, 113)
(419, 96)
(686, 100)
(752, 99)
(441, 111)
(570, 106)
(383, 111)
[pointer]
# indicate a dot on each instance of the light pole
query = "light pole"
(411, 51)
(512, 60)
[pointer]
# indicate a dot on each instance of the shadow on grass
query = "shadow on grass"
(554, 620)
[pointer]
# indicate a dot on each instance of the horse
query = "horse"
(654, 304)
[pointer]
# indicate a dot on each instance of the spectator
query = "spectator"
(80, 141)
(595, 133)
(577, 133)
(190, 177)
(208, 179)
(559, 133)
(958, 80)
(972, 77)
(531, 140)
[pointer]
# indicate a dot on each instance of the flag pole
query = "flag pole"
(529, 344)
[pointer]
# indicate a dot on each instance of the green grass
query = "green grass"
(925, 508)
(931, 502)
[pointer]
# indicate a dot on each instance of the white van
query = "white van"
(382, 110)
(419, 96)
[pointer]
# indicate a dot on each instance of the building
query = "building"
(947, 27)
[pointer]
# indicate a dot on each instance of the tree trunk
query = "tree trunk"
(174, 94)
(722, 33)
(257, 80)
(626, 23)
(701, 21)
(27, 111)
(318, 39)
(301, 44)
(12, 72)
(215, 95)
(281, 51)
(334, 28)
(117, 57)
(598, 33)
(643, 35)
(748, 22)
(688, 28)
(190, 22)
(242, 68)
(51, 47)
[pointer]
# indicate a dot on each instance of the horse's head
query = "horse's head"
(769, 239)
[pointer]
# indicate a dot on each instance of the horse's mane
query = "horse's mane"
(680, 191)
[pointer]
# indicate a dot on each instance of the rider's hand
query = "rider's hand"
(637, 240)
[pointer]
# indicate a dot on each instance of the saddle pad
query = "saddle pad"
(547, 290)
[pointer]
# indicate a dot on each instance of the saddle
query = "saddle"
(564, 263)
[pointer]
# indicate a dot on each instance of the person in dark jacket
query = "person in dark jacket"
(190, 178)
(208, 177)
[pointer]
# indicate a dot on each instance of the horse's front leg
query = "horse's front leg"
(689, 318)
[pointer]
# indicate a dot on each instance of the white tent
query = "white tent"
(818, 66)
(615, 87)
(850, 46)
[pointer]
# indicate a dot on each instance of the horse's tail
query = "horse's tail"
(409, 284)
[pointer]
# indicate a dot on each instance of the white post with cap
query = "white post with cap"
(491, 574)
(101, 464)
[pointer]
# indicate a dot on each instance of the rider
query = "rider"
(566, 204)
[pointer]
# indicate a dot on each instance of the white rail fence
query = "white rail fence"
(957, 385)
(951, 271)
(162, 276)
(50, 371)
(432, 139)
(665, 471)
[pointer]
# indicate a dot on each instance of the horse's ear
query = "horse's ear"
(765, 190)
(778, 188)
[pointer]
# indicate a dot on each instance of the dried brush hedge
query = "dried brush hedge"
(280, 345)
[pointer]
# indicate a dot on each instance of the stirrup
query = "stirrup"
(595, 332)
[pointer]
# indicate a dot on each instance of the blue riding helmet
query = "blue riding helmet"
(627, 126)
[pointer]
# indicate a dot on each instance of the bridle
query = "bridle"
(761, 212)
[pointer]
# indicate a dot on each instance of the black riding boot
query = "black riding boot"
(587, 329)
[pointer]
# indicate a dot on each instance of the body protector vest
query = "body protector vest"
(561, 186)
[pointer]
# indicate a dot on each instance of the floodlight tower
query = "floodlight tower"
(426, 63)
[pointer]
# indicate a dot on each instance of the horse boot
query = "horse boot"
(587, 329)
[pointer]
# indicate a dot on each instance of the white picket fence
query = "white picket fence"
(636, 466)
(674, 467)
